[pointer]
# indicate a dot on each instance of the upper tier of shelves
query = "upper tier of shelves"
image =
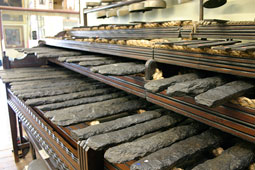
(113, 5)
(238, 66)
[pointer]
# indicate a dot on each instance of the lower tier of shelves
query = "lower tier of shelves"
(230, 118)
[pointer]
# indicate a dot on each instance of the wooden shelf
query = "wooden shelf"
(230, 118)
(222, 64)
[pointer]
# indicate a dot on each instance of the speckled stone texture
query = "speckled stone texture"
(87, 58)
(69, 96)
(124, 135)
(119, 69)
(132, 150)
(195, 87)
(57, 54)
(160, 85)
(94, 111)
(222, 94)
(237, 157)
(117, 124)
(80, 101)
(96, 62)
(172, 156)
(58, 91)
(50, 88)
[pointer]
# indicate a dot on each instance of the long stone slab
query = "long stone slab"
(194, 87)
(47, 81)
(75, 109)
(49, 76)
(237, 157)
(38, 49)
(44, 83)
(58, 54)
(92, 58)
(95, 111)
(47, 84)
(103, 141)
(63, 59)
(176, 154)
(29, 70)
(117, 124)
(132, 150)
(96, 62)
(119, 69)
(15, 75)
(69, 96)
(160, 85)
(80, 101)
(59, 91)
(222, 94)
(55, 87)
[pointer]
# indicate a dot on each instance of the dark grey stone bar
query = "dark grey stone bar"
(237, 157)
(95, 110)
(103, 141)
(58, 54)
(45, 77)
(47, 81)
(58, 91)
(195, 87)
(132, 150)
(16, 75)
(47, 84)
(119, 69)
(114, 125)
(64, 59)
(178, 153)
(96, 62)
(160, 85)
(89, 58)
(80, 101)
(75, 109)
(69, 96)
(54, 87)
(222, 94)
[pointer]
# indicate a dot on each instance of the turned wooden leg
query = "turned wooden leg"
(13, 124)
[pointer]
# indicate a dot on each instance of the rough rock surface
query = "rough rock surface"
(80, 101)
(57, 54)
(88, 58)
(96, 62)
(47, 83)
(95, 110)
(237, 157)
(55, 91)
(17, 75)
(114, 125)
(194, 87)
(63, 59)
(124, 135)
(69, 96)
(177, 153)
(119, 69)
(132, 150)
(44, 77)
(51, 88)
(222, 94)
(160, 85)
(74, 109)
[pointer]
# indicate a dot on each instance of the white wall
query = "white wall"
(235, 10)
